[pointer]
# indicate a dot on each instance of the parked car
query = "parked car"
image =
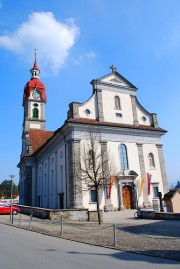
(5, 208)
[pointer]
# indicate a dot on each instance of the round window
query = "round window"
(87, 111)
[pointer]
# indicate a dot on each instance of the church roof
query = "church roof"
(40, 138)
(112, 124)
(37, 138)
(34, 83)
(35, 66)
(113, 79)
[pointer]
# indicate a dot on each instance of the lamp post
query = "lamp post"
(11, 177)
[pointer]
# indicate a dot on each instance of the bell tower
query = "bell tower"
(34, 100)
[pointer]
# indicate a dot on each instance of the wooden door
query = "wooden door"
(127, 197)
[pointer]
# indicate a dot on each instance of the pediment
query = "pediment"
(116, 80)
(126, 173)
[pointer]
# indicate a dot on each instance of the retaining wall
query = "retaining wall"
(160, 215)
(66, 214)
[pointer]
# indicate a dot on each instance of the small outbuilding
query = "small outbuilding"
(172, 200)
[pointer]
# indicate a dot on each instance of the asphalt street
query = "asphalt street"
(22, 249)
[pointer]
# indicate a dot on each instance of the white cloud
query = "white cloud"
(90, 54)
(84, 57)
(53, 39)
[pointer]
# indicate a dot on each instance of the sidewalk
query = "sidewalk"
(150, 237)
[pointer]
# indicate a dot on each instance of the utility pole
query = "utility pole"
(11, 177)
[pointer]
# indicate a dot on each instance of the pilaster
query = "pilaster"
(106, 174)
(155, 121)
(120, 198)
(162, 167)
(100, 105)
(143, 173)
(75, 183)
(135, 117)
(73, 111)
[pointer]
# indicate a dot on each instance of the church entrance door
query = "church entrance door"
(127, 197)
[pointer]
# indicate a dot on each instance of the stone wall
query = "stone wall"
(69, 214)
(93, 216)
(160, 215)
(58, 214)
(55, 214)
(36, 212)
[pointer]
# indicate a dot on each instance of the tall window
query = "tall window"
(123, 157)
(155, 191)
(35, 113)
(52, 181)
(91, 158)
(151, 160)
(39, 185)
(45, 184)
(93, 198)
(61, 177)
(117, 102)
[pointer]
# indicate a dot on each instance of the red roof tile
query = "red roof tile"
(31, 85)
(37, 138)
(113, 124)
(35, 67)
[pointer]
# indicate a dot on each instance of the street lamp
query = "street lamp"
(11, 177)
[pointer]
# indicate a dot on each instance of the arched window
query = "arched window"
(61, 178)
(123, 157)
(151, 160)
(91, 158)
(35, 113)
(45, 184)
(117, 102)
(52, 181)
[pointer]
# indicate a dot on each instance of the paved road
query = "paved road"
(21, 249)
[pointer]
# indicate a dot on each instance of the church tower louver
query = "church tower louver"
(34, 100)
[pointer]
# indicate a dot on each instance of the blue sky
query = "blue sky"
(77, 41)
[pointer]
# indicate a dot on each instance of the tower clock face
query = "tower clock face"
(36, 94)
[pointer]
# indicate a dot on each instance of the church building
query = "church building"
(127, 130)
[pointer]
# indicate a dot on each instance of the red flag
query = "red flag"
(149, 183)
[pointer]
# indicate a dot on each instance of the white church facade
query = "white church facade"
(128, 132)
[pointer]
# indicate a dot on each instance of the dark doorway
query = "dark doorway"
(61, 200)
(39, 201)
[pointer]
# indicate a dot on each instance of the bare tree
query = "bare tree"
(92, 165)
